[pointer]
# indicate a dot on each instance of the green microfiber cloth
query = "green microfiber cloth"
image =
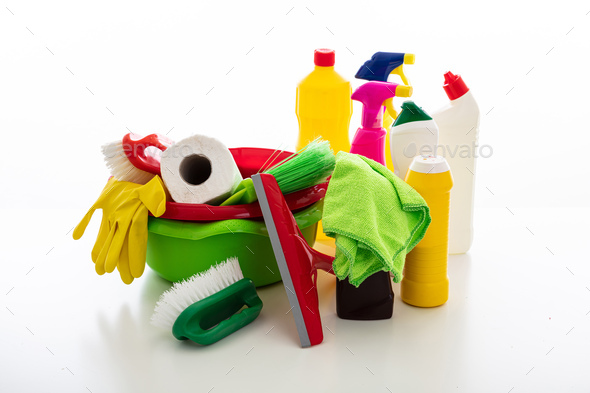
(375, 216)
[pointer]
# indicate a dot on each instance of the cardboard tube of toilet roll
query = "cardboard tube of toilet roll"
(199, 169)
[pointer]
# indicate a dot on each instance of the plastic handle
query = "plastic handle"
(217, 316)
(400, 91)
(409, 58)
(390, 109)
(135, 151)
(400, 71)
(294, 259)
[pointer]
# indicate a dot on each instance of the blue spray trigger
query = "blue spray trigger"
(380, 66)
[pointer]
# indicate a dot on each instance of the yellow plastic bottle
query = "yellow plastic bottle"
(323, 105)
(425, 282)
(324, 108)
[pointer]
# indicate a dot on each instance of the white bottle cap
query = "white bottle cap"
(429, 164)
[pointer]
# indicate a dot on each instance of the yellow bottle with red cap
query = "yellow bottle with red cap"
(425, 282)
(323, 107)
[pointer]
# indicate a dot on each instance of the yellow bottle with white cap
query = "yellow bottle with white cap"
(425, 282)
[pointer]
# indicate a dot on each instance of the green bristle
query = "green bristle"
(312, 165)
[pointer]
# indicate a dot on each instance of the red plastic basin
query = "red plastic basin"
(249, 161)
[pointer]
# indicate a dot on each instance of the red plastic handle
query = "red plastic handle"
(295, 259)
(135, 151)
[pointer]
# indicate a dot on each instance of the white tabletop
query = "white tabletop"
(517, 317)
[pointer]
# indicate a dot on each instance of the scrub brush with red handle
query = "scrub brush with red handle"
(133, 158)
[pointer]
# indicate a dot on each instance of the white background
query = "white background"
(74, 75)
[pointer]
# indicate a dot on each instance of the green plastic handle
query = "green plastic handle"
(215, 317)
(243, 194)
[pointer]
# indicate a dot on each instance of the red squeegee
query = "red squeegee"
(297, 261)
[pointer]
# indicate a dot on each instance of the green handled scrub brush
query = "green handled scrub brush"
(312, 165)
(206, 307)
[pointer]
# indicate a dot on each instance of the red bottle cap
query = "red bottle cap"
(324, 57)
(454, 86)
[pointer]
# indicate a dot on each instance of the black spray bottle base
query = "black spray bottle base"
(372, 300)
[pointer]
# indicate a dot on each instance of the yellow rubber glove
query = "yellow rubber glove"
(131, 262)
(128, 226)
(123, 263)
(119, 223)
(122, 237)
(110, 197)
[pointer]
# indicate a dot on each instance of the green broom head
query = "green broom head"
(311, 165)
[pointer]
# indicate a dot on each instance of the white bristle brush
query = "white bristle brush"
(129, 160)
(206, 307)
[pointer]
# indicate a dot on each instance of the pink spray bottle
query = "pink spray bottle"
(369, 140)
(373, 299)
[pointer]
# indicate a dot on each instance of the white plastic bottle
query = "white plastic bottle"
(414, 133)
(458, 125)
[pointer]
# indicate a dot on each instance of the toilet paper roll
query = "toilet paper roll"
(199, 169)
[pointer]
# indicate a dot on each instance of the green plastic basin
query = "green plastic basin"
(178, 249)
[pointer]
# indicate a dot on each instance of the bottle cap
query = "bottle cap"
(429, 164)
(454, 86)
(411, 112)
(324, 57)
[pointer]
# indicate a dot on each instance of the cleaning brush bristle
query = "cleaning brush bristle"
(312, 165)
(119, 165)
(200, 286)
